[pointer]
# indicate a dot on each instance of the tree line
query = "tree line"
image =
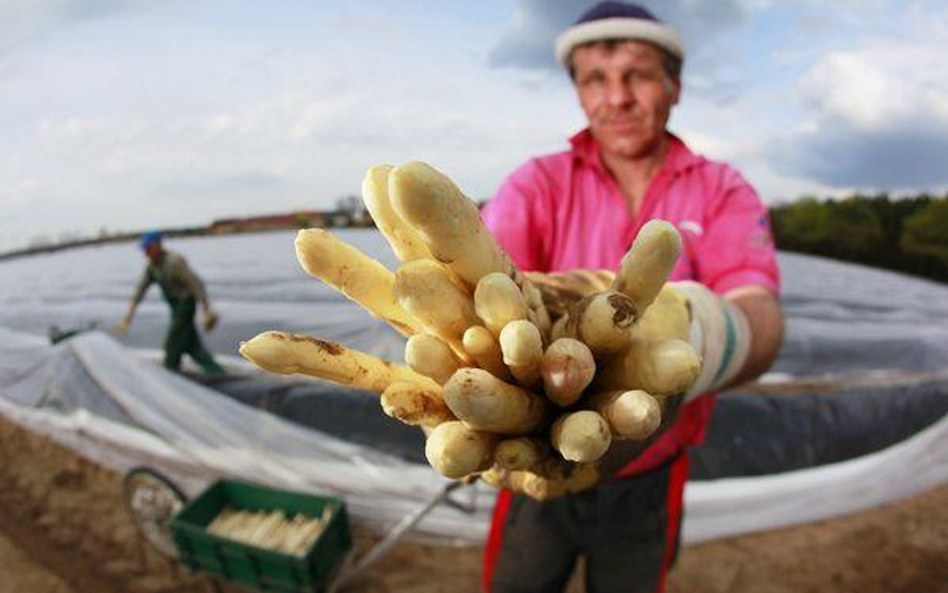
(906, 234)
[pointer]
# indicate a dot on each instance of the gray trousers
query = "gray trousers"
(627, 530)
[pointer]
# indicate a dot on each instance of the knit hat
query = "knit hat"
(617, 20)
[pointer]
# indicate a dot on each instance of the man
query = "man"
(581, 209)
(182, 289)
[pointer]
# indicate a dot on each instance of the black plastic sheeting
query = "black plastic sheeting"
(756, 434)
(750, 433)
(352, 415)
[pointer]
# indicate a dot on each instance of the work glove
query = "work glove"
(682, 313)
(121, 327)
(543, 384)
(210, 320)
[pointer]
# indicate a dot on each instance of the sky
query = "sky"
(138, 114)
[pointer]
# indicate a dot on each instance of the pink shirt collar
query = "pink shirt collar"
(679, 157)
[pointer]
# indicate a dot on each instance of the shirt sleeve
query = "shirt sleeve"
(181, 272)
(513, 217)
(737, 248)
(143, 283)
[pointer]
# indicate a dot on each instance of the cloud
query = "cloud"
(877, 117)
(896, 159)
(22, 20)
(224, 188)
(528, 41)
(140, 121)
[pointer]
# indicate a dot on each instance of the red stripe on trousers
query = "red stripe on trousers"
(673, 505)
(495, 538)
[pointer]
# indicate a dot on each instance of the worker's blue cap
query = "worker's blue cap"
(149, 238)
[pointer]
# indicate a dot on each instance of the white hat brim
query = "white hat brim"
(618, 28)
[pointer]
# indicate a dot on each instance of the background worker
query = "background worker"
(182, 289)
(581, 209)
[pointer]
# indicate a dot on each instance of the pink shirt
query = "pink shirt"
(564, 211)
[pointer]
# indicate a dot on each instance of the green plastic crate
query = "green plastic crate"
(260, 568)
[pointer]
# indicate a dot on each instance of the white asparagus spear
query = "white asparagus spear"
(415, 405)
(405, 241)
(354, 274)
(424, 289)
(485, 350)
(285, 353)
(498, 301)
(567, 369)
(430, 356)
(450, 224)
(630, 414)
(647, 264)
(582, 436)
(603, 321)
(522, 347)
(455, 450)
(484, 402)
(521, 453)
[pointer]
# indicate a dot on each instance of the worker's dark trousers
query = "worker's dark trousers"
(183, 338)
(627, 530)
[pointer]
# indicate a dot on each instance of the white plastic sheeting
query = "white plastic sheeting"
(93, 395)
(841, 318)
(732, 506)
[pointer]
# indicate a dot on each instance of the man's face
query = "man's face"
(153, 251)
(626, 94)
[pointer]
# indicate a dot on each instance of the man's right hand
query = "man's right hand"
(554, 477)
(210, 319)
(666, 319)
(551, 479)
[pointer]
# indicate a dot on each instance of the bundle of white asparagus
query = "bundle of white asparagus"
(527, 380)
(271, 529)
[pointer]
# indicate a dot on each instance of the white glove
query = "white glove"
(719, 333)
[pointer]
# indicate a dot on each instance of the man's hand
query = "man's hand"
(210, 319)
(551, 479)
(121, 328)
(589, 415)
(716, 327)
(655, 361)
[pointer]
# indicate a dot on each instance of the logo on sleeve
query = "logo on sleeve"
(760, 237)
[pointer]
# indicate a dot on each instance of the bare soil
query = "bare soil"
(64, 529)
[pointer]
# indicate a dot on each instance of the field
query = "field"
(64, 529)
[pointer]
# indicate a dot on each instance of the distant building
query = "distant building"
(267, 222)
